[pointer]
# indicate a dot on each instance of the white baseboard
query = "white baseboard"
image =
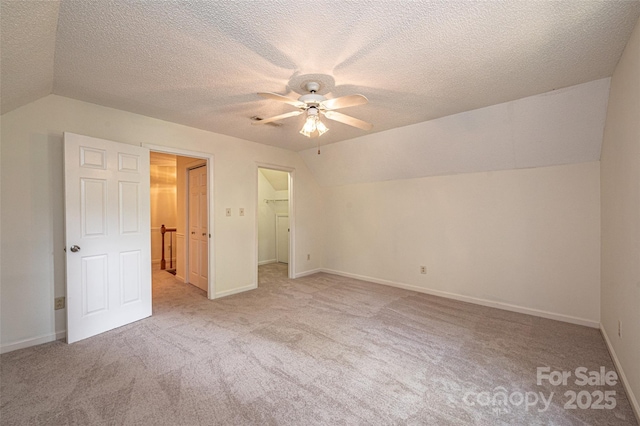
(235, 290)
(469, 299)
(266, 262)
(305, 273)
(51, 337)
(630, 395)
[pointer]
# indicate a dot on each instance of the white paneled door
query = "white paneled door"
(107, 235)
(198, 228)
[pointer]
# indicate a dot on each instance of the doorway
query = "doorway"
(275, 219)
(181, 206)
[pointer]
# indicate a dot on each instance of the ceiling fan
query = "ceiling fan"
(315, 105)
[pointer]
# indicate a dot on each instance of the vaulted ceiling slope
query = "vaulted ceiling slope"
(560, 127)
(201, 63)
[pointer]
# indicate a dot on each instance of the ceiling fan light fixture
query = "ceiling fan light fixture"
(315, 104)
(313, 124)
(309, 125)
(321, 128)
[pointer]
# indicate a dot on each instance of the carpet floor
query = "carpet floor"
(322, 349)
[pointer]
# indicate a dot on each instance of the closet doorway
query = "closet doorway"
(275, 219)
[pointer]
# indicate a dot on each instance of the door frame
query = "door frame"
(292, 215)
(209, 160)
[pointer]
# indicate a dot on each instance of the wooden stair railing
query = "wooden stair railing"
(163, 262)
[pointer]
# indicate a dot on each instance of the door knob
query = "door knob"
(75, 249)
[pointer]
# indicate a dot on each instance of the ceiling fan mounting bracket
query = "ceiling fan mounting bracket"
(312, 86)
(323, 83)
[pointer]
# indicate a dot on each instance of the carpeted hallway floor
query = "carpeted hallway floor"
(321, 349)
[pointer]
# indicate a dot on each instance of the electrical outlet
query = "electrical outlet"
(241, 211)
(619, 328)
(423, 269)
(308, 257)
(58, 303)
(228, 212)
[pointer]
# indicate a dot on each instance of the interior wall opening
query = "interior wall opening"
(274, 223)
(179, 219)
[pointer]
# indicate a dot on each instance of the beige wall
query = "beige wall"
(527, 240)
(620, 181)
(32, 264)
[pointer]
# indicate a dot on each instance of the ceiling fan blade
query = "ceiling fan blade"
(277, 117)
(344, 101)
(280, 98)
(346, 119)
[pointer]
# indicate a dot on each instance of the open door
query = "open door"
(198, 228)
(107, 235)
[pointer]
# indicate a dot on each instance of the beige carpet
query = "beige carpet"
(318, 350)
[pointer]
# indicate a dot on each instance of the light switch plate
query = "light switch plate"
(228, 212)
(241, 211)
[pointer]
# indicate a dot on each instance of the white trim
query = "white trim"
(21, 344)
(475, 300)
(209, 158)
(625, 383)
(310, 272)
(266, 262)
(176, 151)
(236, 290)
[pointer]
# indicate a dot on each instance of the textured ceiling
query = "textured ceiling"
(28, 42)
(201, 63)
